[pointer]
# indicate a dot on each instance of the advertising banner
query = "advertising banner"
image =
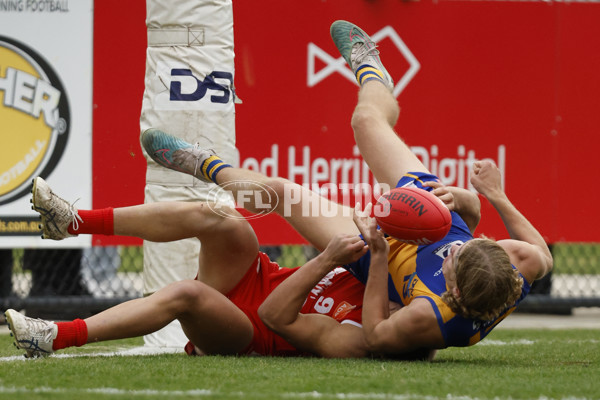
(512, 81)
(45, 111)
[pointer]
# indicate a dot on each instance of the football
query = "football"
(412, 215)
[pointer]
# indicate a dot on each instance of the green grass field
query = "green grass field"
(509, 364)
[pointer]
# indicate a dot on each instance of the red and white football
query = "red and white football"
(412, 215)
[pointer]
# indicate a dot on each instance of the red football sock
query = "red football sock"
(94, 221)
(70, 334)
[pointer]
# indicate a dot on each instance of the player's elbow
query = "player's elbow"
(546, 261)
(549, 262)
(379, 348)
(266, 315)
(375, 343)
(373, 347)
(270, 316)
(469, 208)
(345, 352)
(476, 211)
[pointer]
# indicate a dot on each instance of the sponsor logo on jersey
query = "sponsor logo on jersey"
(410, 281)
(342, 310)
(444, 249)
(35, 116)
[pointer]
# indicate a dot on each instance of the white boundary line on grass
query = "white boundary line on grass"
(210, 393)
(134, 351)
(492, 342)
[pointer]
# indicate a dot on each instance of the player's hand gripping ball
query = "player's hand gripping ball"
(412, 215)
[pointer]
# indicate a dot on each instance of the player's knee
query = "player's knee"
(216, 216)
(364, 117)
(184, 295)
(367, 117)
(219, 222)
(238, 231)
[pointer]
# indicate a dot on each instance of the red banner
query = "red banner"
(515, 82)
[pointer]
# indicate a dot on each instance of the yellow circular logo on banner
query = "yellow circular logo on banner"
(35, 117)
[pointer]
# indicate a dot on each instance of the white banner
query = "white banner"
(46, 51)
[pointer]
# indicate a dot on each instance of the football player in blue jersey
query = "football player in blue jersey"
(455, 291)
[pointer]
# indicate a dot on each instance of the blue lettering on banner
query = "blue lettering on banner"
(202, 87)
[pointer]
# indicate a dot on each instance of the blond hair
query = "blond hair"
(486, 280)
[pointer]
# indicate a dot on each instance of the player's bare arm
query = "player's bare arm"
(408, 328)
(462, 201)
(527, 249)
(315, 333)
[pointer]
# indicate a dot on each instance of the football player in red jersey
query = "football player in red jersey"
(236, 297)
(219, 309)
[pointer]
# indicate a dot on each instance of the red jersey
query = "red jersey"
(338, 294)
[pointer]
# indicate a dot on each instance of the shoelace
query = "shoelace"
(43, 327)
(196, 148)
(367, 49)
(52, 211)
(75, 215)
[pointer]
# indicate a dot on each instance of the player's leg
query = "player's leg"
(208, 318)
(377, 111)
(385, 153)
(219, 233)
(314, 217)
(229, 244)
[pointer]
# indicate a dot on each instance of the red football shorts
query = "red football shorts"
(338, 295)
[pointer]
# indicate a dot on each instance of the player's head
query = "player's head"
(485, 280)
